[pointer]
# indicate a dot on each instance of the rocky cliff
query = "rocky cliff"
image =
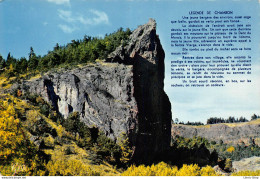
(234, 133)
(125, 94)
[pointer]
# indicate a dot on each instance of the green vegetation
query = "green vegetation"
(192, 123)
(216, 120)
(34, 142)
(217, 152)
(77, 52)
(254, 117)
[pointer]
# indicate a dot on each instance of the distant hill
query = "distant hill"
(234, 133)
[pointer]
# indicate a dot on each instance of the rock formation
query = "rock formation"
(251, 164)
(234, 133)
(124, 94)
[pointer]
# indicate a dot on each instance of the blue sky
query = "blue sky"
(43, 23)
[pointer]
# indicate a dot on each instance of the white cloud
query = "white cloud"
(77, 21)
(95, 17)
(67, 2)
(65, 15)
(101, 17)
(66, 29)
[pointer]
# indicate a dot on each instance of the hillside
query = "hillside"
(88, 113)
(120, 94)
(234, 133)
(97, 107)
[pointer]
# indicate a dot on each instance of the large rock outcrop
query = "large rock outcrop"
(233, 133)
(123, 94)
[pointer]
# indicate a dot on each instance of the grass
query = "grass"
(37, 76)
(107, 64)
(254, 122)
(200, 126)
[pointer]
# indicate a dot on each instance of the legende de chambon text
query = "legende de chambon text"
(210, 49)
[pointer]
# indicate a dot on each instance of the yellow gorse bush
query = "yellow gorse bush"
(231, 149)
(189, 170)
(10, 133)
(72, 167)
(208, 171)
(16, 152)
(163, 169)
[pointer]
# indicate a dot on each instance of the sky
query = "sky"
(43, 23)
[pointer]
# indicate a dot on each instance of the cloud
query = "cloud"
(78, 21)
(101, 17)
(66, 15)
(60, 1)
(66, 29)
(95, 17)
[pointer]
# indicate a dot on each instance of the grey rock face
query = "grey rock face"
(103, 95)
(252, 164)
(228, 134)
(125, 94)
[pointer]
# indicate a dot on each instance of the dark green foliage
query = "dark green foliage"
(77, 52)
(45, 109)
(22, 65)
(31, 98)
(254, 117)
(10, 60)
(100, 147)
(241, 150)
(81, 132)
(74, 125)
(190, 151)
(189, 143)
(2, 64)
(107, 149)
(192, 123)
(82, 51)
(201, 151)
(216, 120)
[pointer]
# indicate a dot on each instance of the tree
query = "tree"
(126, 151)
(176, 120)
(57, 47)
(10, 60)
(33, 61)
(231, 119)
(254, 117)
(23, 64)
(2, 62)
